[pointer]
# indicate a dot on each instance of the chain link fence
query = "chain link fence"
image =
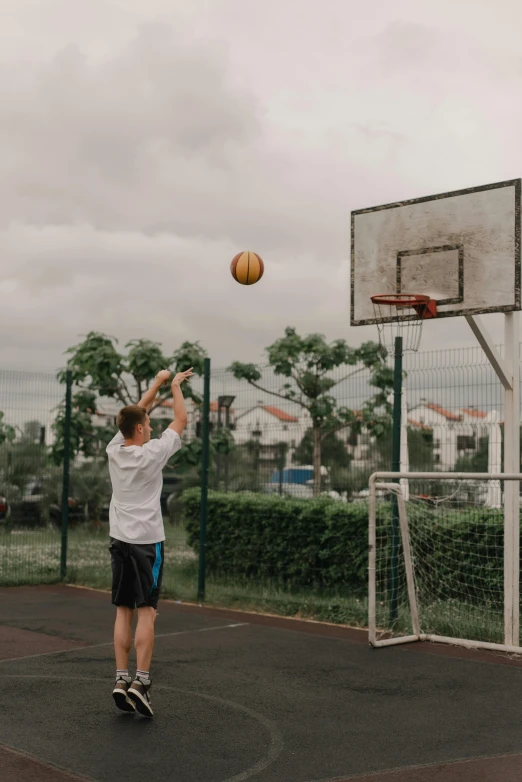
(262, 448)
(30, 485)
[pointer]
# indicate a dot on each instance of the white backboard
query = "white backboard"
(461, 249)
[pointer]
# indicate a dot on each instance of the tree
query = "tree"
(7, 432)
(333, 452)
(91, 485)
(476, 462)
(307, 363)
(420, 450)
(85, 438)
(100, 370)
(20, 459)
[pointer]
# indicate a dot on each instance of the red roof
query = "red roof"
(445, 413)
(213, 405)
(275, 411)
(475, 413)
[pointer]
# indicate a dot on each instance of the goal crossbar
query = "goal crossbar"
(389, 481)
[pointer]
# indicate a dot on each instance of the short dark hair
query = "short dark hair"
(128, 419)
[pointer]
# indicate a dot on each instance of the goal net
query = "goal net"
(439, 568)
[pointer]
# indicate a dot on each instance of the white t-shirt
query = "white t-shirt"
(137, 479)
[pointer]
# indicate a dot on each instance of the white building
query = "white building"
(455, 434)
(358, 444)
(271, 426)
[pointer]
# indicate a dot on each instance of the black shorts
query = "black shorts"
(137, 570)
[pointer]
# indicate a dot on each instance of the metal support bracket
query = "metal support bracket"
(503, 372)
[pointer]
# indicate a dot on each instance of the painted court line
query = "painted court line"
(275, 748)
(111, 643)
(25, 765)
(442, 771)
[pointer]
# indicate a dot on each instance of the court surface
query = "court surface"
(245, 697)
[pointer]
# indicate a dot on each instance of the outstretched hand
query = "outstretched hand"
(163, 375)
(181, 377)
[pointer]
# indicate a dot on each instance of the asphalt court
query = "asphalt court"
(241, 697)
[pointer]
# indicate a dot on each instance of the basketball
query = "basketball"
(247, 268)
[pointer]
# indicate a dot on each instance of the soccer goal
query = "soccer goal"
(443, 564)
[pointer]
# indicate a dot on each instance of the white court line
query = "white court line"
(276, 738)
(111, 643)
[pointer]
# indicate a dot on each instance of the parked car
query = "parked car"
(76, 513)
(29, 510)
(302, 475)
(298, 482)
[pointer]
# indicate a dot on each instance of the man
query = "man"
(137, 534)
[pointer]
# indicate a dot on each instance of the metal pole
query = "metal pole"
(218, 455)
(66, 474)
(396, 467)
(205, 450)
(372, 558)
(227, 427)
(512, 488)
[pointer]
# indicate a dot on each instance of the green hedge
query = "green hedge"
(324, 543)
(307, 543)
(462, 557)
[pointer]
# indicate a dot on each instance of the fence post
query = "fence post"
(396, 466)
(205, 453)
(66, 472)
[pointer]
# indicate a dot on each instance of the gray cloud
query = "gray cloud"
(142, 144)
(87, 138)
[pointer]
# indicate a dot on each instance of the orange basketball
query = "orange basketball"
(247, 268)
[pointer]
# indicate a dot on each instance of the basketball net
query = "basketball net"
(401, 315)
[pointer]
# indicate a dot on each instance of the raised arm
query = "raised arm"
(180, 411)
(147, 400)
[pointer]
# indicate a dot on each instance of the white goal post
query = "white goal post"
(443, 566)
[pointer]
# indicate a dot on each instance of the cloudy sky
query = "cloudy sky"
(145, 142)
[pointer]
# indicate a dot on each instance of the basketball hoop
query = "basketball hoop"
(394, 318)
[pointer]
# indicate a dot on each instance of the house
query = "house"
(455, 433)
(357, 443)
(108, 410)
(105, 414)
(270, 426)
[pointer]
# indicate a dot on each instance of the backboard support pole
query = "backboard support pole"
(502, 368)
(396, 467)
(507, 370)
(512, 488)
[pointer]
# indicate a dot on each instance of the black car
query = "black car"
(76, 513)
(29, 510)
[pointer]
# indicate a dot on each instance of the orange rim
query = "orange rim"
(401, 299)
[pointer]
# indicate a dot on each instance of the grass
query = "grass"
(33, 557)
(446, 618)
(29, 557)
